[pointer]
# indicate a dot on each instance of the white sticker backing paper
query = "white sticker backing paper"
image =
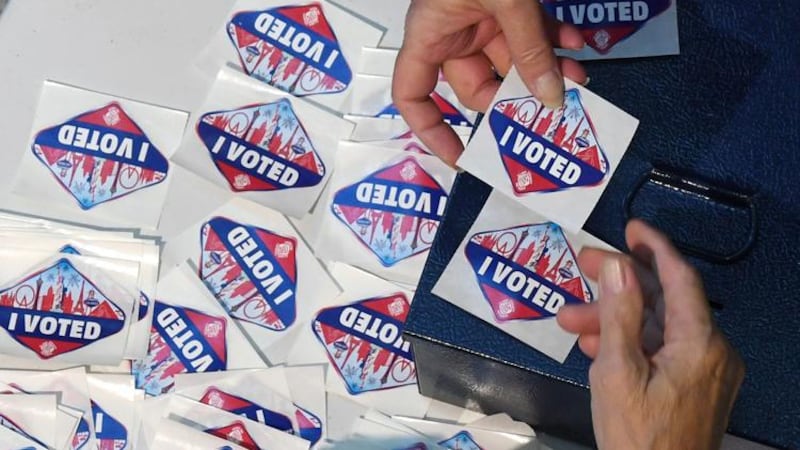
(97, 158)
(515, 270)
(262, 144)
(556, 162)
(305, 49)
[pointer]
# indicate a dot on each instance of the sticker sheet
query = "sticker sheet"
(73, 397)
(619, 29)
(377, 61)
(382, 210)
(31, 416)
(262, 144)
(367, 432)
(246, 395)
(191, 332)
(515, 269)
(11, 440)
(460, 437)
(359, 335)
(304, 49)
(114, 418)
(64, 308)
(258, 269)
(177, 436)
(369, 129)
(229, 426)
(99, 158)
(372, 97)
(142, 260)
(555, 162)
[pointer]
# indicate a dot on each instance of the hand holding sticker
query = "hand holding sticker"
(469, 40)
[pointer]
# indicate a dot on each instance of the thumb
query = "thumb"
(523, 25)
(621, 308)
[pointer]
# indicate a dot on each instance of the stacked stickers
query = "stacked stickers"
(239, 276)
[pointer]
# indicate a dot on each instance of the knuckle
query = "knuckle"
(538, 53)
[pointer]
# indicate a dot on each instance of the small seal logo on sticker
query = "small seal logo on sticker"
(111, 433)
(450, 113)
(461, 441)
(292, 48)
(58, 310)
(251, 271)
(310, 427)
(547, 150)
(100, 156)
(364, 342)
(236, 433)
(182, 340)
(605, 24)
(395, 211)
(261, 148)
(527, 272)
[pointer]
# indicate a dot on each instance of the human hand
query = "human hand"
(663, 376)
(470, 40)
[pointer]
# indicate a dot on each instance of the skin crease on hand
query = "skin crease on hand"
(663, 375)
(471, 41)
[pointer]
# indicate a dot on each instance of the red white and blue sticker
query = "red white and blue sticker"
(547, 150)
(365, 345)
(100, 156)
(309, 425)
(251, 271)
(394, 211)
(461, 441)
(605, 24)
(261, 147)
(450, 113)
(81, 436)
(236, 433)
(58, 310)
(292, 48)
(111, 434)
(182, 340)
(527, 272)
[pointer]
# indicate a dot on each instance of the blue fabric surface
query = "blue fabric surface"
(724, 114)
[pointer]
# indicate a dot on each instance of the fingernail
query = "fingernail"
(549, 88)
(586, 83)
(612, 276)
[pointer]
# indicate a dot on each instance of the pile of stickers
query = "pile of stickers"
(239, 276)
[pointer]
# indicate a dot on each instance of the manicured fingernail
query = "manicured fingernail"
(549, 88)
(612, 276)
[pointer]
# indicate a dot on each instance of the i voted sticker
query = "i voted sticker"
(394, 211)
(251, 271)
(261, 147)
(461, 441)
(450, 113)
(100, 156)
(527, 272)
(292, 48)
(236, 433)
(310, 426)
(182, 340)
(605, 23)
(364, 342)
(58, 310)
(547, 150)
(81, 436)
(111, 434)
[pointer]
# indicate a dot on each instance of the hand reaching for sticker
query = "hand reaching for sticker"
(470, 40)
(663, 375)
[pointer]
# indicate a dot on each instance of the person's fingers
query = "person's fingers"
(686, 310)
(590, 259)
(523, 24)
(561, 34)
(414, 80)
(579, 319)
(621, 311)
(473, 80)
(573, 70)
(589, 344)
